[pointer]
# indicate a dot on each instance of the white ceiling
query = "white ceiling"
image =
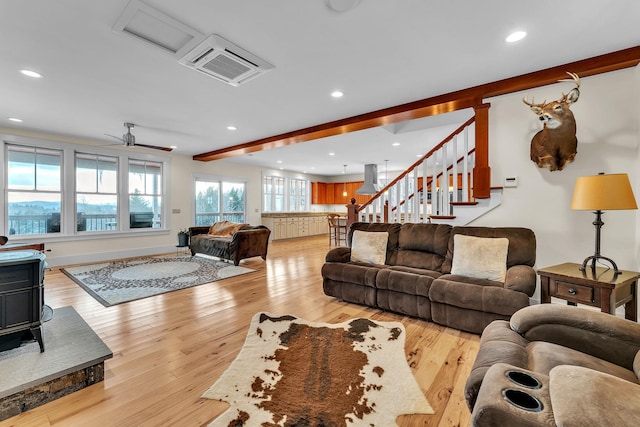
(380, 54)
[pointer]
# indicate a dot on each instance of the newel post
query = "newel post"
(482, 171)
(352, 213)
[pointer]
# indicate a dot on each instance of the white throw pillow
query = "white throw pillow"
(369, 246)
(480, 257)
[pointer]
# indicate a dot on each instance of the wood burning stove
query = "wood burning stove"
(22, 293)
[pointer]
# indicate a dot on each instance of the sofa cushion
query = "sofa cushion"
(423, 245)
(544, 356)
(404, 282)
(369, 247)
(480, 257)
(522, 244)
(392, 243)
(582, 397)
(476, 294)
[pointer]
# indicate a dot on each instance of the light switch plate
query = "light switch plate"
(511, 181)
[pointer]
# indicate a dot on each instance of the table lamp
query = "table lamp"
(599, 193)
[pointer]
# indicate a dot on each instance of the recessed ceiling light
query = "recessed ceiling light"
(337, 94)
(173, 147)
(332, 154)
(281, 168)
(395, 144)
(278, 161)
(14, 119)
(232, 127)
(515, 36)
(420, 155)
(31, 73)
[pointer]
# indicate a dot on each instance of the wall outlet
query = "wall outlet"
(175, 211)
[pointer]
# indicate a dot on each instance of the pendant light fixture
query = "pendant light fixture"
(344, 190)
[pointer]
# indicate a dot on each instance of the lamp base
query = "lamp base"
(594, 258)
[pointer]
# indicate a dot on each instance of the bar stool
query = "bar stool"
(337, 229)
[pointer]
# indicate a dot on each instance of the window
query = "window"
(34, 195)
(218, 200)
(66, 190)
(145, 194)
(298, 195)
(283, 194)
(273, 193)
(96, 192)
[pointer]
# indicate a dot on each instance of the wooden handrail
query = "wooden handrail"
(419, 162)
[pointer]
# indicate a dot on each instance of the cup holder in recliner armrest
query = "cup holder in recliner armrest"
(522, 400)
(523, 379)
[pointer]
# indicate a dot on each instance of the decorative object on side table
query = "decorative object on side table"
(599, 193)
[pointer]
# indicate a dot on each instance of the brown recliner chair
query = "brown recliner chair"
(555, 365)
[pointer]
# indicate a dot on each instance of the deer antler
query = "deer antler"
(574, 78)
(574, 93)
(532, 103)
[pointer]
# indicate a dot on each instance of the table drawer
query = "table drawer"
(572, 292)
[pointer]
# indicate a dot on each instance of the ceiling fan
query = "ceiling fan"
(129, 139)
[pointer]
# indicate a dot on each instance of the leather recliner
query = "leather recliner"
(556, 365)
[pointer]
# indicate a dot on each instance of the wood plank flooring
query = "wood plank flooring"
(170, 348)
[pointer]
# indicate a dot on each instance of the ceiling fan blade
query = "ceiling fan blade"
(155, 147)
(119, 138)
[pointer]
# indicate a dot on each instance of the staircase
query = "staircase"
(439, 187)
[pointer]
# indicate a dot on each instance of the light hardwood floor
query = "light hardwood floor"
(170, 348)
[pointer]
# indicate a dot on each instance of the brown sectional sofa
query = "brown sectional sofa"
(416, 277)
(249, 241)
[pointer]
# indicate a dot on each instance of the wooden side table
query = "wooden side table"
(600, 289)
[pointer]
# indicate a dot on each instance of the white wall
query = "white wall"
(607, 116)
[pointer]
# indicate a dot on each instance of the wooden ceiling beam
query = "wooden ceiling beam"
(452, 101)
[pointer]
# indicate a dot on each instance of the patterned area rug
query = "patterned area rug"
(116, 282)
(291, 372)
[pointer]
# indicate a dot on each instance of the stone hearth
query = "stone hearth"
(73, 359)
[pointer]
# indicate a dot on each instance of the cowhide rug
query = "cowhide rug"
(291, 372)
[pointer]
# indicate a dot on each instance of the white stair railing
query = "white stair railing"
(430, 187)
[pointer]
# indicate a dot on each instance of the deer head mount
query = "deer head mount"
(556, 144)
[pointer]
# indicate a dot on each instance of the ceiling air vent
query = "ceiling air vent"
(223, 60)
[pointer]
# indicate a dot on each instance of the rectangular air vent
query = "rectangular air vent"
(150, 25)
(223, 60)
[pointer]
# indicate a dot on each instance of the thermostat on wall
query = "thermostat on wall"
(511, 181)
